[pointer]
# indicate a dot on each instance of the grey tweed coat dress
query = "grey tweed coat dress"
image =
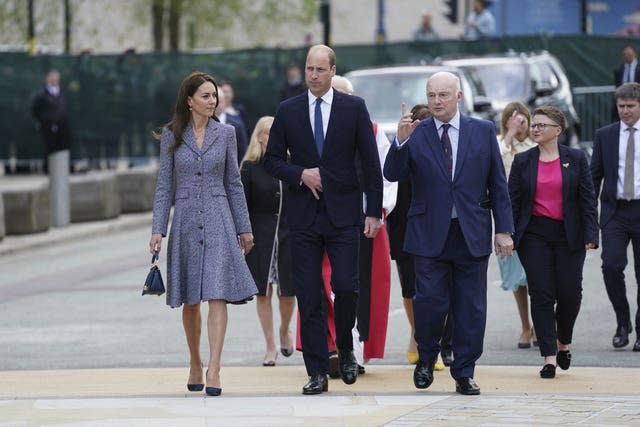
(204, 258)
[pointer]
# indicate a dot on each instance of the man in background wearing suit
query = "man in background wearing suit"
(615, 164)
(458, 179)
(312, 146)
(627, 72)
(234, 120)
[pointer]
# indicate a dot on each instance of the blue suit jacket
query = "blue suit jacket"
(292, 148)
(604, 169)
(479, 186)
(578, 198)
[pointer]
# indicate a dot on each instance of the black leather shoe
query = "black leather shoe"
(621, 338)
(348, 366)
(564, 359)
(422, 375)
(334, 366)
(548, 371)
(316, 385)
(636, 345)
(361, 370)
(467, 386)
(447, 357)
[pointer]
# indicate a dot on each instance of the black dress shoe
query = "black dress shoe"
(334, 366)
(564, 359)
(636, 345)
(548, 371)
(621, 338)
(447, 357)
(348, 366)
(361, 370)
(422, 375)
(467, 386)
(316, 385)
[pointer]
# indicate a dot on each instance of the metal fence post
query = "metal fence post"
(58, 163)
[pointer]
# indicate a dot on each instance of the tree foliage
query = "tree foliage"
(207, 23)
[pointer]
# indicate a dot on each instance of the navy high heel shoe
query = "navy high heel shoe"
(195, 387)
(213, 391)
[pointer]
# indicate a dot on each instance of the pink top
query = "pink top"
(548, 201)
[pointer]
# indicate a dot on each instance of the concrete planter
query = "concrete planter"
(94, 196)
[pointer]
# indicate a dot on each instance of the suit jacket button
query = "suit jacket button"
(201, 227)
(201, 242)
(199, 173)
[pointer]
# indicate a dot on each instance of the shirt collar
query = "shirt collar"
(327, 97)
(624, 127)
(454, 122)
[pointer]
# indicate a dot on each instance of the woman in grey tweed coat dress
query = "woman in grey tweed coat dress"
(210, 230)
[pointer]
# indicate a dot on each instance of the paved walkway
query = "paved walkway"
(257, 396)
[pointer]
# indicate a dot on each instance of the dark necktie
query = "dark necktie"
(446, 146)
(318, 132)
(628, 190)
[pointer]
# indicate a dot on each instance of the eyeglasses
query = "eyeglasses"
(542, 126)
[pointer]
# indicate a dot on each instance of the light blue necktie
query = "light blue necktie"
(318, 131)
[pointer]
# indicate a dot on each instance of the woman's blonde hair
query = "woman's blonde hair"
(508, 111)
(254, 151)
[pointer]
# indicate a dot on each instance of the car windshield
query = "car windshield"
(503, 82)
(384, 93)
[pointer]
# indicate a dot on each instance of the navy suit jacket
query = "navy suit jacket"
(618, 74)
(578, 197)
(241, 134)
(479, 186)
(604, 169)
(292, 148)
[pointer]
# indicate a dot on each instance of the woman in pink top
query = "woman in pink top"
(554, 211)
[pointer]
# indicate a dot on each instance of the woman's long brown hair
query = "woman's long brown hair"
(181, 114)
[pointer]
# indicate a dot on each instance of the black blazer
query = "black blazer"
(578, 197)
(349, 132)
(266, 202)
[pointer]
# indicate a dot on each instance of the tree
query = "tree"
(215, 22)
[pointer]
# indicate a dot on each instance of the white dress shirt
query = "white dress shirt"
(622, 154)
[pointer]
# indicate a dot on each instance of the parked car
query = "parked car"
(385, 89)
(532, 78)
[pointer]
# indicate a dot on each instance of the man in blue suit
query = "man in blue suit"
(312, 146)
(615, 166)
(458, 179)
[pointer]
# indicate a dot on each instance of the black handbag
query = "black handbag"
(153, 285)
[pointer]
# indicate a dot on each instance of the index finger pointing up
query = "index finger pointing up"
(404, 108)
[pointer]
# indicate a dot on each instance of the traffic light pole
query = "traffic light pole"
(325, 18)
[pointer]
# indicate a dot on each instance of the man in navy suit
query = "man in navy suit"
(628, 71)
(615, 164)
(234, 120)
(458, 178)
(312, 146)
